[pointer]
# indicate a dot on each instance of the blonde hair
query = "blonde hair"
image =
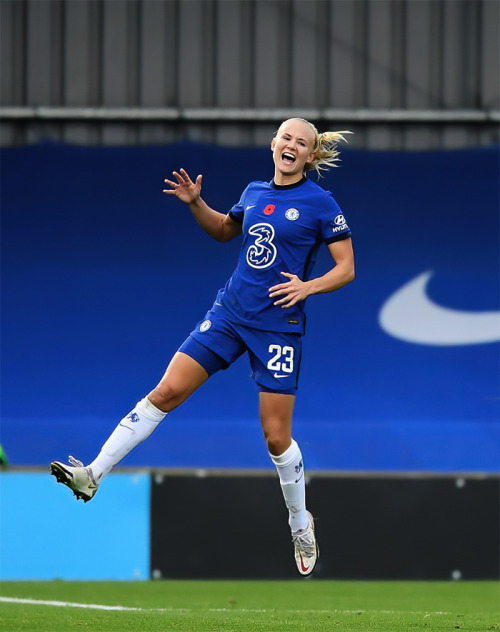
(325, 150)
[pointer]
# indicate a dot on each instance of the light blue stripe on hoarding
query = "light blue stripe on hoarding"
(46, 534)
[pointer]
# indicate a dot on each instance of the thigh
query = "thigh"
(182, 377)
(276, 411)
(211, 346)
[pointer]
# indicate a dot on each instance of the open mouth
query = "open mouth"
(288, 158)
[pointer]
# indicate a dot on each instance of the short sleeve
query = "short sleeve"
(334, 226)
(238, 210)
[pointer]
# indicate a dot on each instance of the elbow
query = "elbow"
(220, 234)
(349, 275)
(223, 237)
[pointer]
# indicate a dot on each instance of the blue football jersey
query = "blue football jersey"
(283, 227)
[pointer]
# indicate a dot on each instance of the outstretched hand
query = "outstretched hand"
(184, 189)
(293, 290)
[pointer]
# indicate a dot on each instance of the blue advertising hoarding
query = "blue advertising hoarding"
(103, 277)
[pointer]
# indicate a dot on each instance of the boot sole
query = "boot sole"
(65, 477)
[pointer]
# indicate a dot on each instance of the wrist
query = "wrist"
(311, 287)
(195, 204)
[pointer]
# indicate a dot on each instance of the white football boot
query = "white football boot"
(75, 476)
(306, 548)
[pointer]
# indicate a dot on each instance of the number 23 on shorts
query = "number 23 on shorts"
(281, 360)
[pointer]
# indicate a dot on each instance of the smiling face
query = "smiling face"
(292, 150)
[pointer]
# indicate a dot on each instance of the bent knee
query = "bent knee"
(277, 444)
(167, 396)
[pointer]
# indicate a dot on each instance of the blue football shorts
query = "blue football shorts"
(217, 342)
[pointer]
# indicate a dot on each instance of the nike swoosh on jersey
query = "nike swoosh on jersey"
(410, 315)
(278, 375)
(249, 207)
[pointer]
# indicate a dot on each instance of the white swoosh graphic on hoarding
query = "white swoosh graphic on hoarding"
(410, 315)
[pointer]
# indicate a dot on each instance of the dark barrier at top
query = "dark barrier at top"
(103, 277)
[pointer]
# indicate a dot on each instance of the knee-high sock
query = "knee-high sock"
(291, 472)
(131, 430)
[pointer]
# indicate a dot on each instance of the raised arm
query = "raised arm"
(218, 225)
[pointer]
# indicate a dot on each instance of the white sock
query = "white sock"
(291, 472)
(131, 430)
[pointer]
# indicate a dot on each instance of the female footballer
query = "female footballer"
(259, 311)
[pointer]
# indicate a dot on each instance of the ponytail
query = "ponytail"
(325, 150)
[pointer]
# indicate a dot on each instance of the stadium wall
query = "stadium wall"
(436, 57)
(234, 525)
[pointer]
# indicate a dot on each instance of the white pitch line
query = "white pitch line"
(94, 606)
(64, 604)
(322, 611)
(89, 606)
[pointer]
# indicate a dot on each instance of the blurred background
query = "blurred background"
(103, 277)
(402, 74)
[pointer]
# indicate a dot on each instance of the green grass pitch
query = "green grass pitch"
(249, 606)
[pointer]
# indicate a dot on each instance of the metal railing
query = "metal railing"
(246, 115)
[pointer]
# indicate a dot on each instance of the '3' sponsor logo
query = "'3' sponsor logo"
(262, 253)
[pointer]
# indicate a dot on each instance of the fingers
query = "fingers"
(292, 295)
(275, 289)
(187, 179)
(174, 186)
(183, 179)
(185, 176)
(293, 291)
(286, 302)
